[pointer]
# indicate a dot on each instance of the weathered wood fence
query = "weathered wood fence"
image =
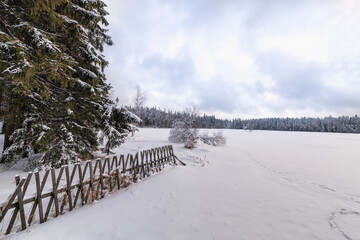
(77, 185)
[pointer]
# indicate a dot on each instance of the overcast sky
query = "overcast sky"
(255, 58)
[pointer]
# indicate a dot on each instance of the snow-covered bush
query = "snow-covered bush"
(182, 133)
(217, 139)
(191, 138)
(184, 129)
(177, 133)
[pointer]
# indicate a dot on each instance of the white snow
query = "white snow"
(133, 116)
(69, 111)
(84, 84)
(41, 40)
(83, 10)
(262, 185)
(93, 52)
(12, 70)
(87, 72)
(4, 45)
(68, 20)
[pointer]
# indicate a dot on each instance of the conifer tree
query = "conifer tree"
(53, 91)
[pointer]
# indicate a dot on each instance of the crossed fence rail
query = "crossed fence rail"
(77, 185)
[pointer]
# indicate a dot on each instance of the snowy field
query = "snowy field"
(262, 185)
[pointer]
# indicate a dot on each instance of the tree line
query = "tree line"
(344, 124)
(156, 117)
(159, 118)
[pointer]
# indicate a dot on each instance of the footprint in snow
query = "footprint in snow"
(336, 226)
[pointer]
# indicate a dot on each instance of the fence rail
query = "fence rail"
(77, 185)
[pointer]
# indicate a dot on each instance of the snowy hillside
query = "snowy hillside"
(262, 185)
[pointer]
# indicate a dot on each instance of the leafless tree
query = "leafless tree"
(185, 130)
(139, 98)
(217, 139)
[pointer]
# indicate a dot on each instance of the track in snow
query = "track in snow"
(332, 222)
(334, 225)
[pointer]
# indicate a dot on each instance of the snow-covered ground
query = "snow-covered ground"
(262, 185)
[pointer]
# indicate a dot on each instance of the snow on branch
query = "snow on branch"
(185, 130)
(12, 70)
(84, 84)
(87, 72)
(133, 116)
(93, 53)
(88, 1)
(39, 37)
(41, 40)
(67, 19)
(217, 139)
(84, 11)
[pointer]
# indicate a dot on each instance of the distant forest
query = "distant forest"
(155, 117)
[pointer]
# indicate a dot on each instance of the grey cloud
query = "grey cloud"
(346, 102)
(301, 84)
(297, 83)
(176, 73)
(294, 78)
(216, 95)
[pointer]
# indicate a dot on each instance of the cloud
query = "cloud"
(293, 78)
(238, 58)
(175, 73)
(216, 95)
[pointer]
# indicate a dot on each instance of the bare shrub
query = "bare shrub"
(185, 130)
(217, 139)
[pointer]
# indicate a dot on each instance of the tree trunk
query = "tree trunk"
(9, 128)
(11, 113)
(12, 121)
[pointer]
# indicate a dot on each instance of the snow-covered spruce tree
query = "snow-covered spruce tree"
(53, 92)
(117, 126)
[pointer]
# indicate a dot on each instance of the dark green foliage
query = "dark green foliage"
(116, 128)
(53, 92)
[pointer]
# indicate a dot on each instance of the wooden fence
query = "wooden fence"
(77, 185)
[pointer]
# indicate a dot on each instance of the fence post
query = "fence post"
(101, 177)
(39, 199)
(137, 171)
(19, 207)
(54, 183)
(163, 155)
(172, 153)
(158, 154)
(68, 187)
(81, 183)
(114, 160)
(147, 164)
(128, 160)
(121, 160)
(91, 184)
(9, 203)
